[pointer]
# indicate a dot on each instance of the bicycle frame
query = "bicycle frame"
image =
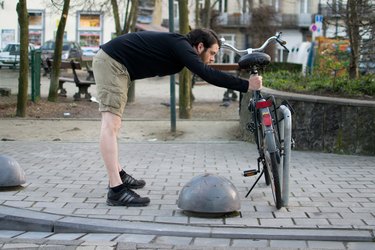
(269, 128)
(272, 136)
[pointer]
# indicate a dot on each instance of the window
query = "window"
(305, 6)
(89, 21)
(36, 29)
(89, 30)
(226, 55)
(175, 10)
(276, 5)
(89, 39)
(7, 36)
(223, 6)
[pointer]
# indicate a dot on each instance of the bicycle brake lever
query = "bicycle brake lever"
(282, 43)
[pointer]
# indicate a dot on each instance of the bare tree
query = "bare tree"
(130, 17)
(263, 26)
(55, 72)
(24, 58)
(358, 20)
(130, 22)
(207, 17)
(352, 22)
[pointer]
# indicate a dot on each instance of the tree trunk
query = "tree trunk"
(116, 17)
(132, 18)
(207, 14)
(185, 76)
(354, 36)
(132, 22)
(55, 72)
(24, 58)
(197, 14)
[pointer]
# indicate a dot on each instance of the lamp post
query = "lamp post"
(172, 77)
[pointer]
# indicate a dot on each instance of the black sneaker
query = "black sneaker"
(126, 197)
(131, 182)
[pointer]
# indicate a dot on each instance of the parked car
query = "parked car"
(90, 51)
(10, 55)
(71, 50)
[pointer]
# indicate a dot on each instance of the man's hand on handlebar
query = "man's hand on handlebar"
(255, 82)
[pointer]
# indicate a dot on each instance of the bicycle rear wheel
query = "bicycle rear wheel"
(272, 168)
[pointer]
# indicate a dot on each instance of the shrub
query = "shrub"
(321, 84)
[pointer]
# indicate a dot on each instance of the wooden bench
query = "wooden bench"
(82, 85)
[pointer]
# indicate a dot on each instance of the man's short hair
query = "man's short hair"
(206, 36)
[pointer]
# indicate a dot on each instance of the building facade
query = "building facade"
(94, 25)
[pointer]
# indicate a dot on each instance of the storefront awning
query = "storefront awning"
(151, 27)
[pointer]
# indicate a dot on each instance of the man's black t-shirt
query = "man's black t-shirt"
(147, 54)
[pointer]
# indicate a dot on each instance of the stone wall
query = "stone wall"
(325, 124)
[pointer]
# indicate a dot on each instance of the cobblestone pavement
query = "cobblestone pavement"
(62, 205)
(331, 202)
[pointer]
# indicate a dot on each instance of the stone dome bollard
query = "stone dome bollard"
(209, 193)
(11, 173)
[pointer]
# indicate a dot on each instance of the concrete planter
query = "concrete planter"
(325, 124)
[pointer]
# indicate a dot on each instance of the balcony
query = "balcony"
(234, 19)
(288, 21)
(303, 20)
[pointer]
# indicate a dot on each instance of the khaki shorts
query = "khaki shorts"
(112, 83)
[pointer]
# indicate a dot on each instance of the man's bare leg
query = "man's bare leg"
(110, 128)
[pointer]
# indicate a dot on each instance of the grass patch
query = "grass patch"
(342, 86)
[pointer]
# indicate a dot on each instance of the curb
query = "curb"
(22, 219)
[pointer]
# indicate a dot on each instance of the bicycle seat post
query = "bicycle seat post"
(254, 71)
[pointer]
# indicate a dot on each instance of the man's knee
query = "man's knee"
(111, 121)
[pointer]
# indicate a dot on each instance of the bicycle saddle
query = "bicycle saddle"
(257, 59)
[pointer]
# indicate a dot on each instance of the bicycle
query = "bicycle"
(272, 135)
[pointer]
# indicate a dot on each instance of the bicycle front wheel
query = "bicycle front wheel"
(272, 168)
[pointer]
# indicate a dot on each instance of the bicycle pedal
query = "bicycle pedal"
(250, 172)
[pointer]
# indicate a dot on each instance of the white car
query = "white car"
(10, 55)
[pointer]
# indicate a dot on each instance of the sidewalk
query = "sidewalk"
(332, 196)
(62, 205)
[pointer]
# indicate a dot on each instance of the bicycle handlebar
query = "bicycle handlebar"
(260, 49)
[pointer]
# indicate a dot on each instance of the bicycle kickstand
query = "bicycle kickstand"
(251, 189)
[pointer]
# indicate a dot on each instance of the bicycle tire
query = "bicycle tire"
(267, 178)
(261, 143)
(272, 167)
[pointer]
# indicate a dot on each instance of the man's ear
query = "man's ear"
(200, 48)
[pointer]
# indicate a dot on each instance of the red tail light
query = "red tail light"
(267, 119)
(264, 104)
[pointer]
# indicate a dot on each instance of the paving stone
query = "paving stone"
(9, 233)
(360, 245)
(19, 246)
(248, 243)
(66, 236)
(99, 237)
(173, 240)
(276, 222)
(326, 244)
(211, 242)
(288, 244)
(34, 235)
(137, 238)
